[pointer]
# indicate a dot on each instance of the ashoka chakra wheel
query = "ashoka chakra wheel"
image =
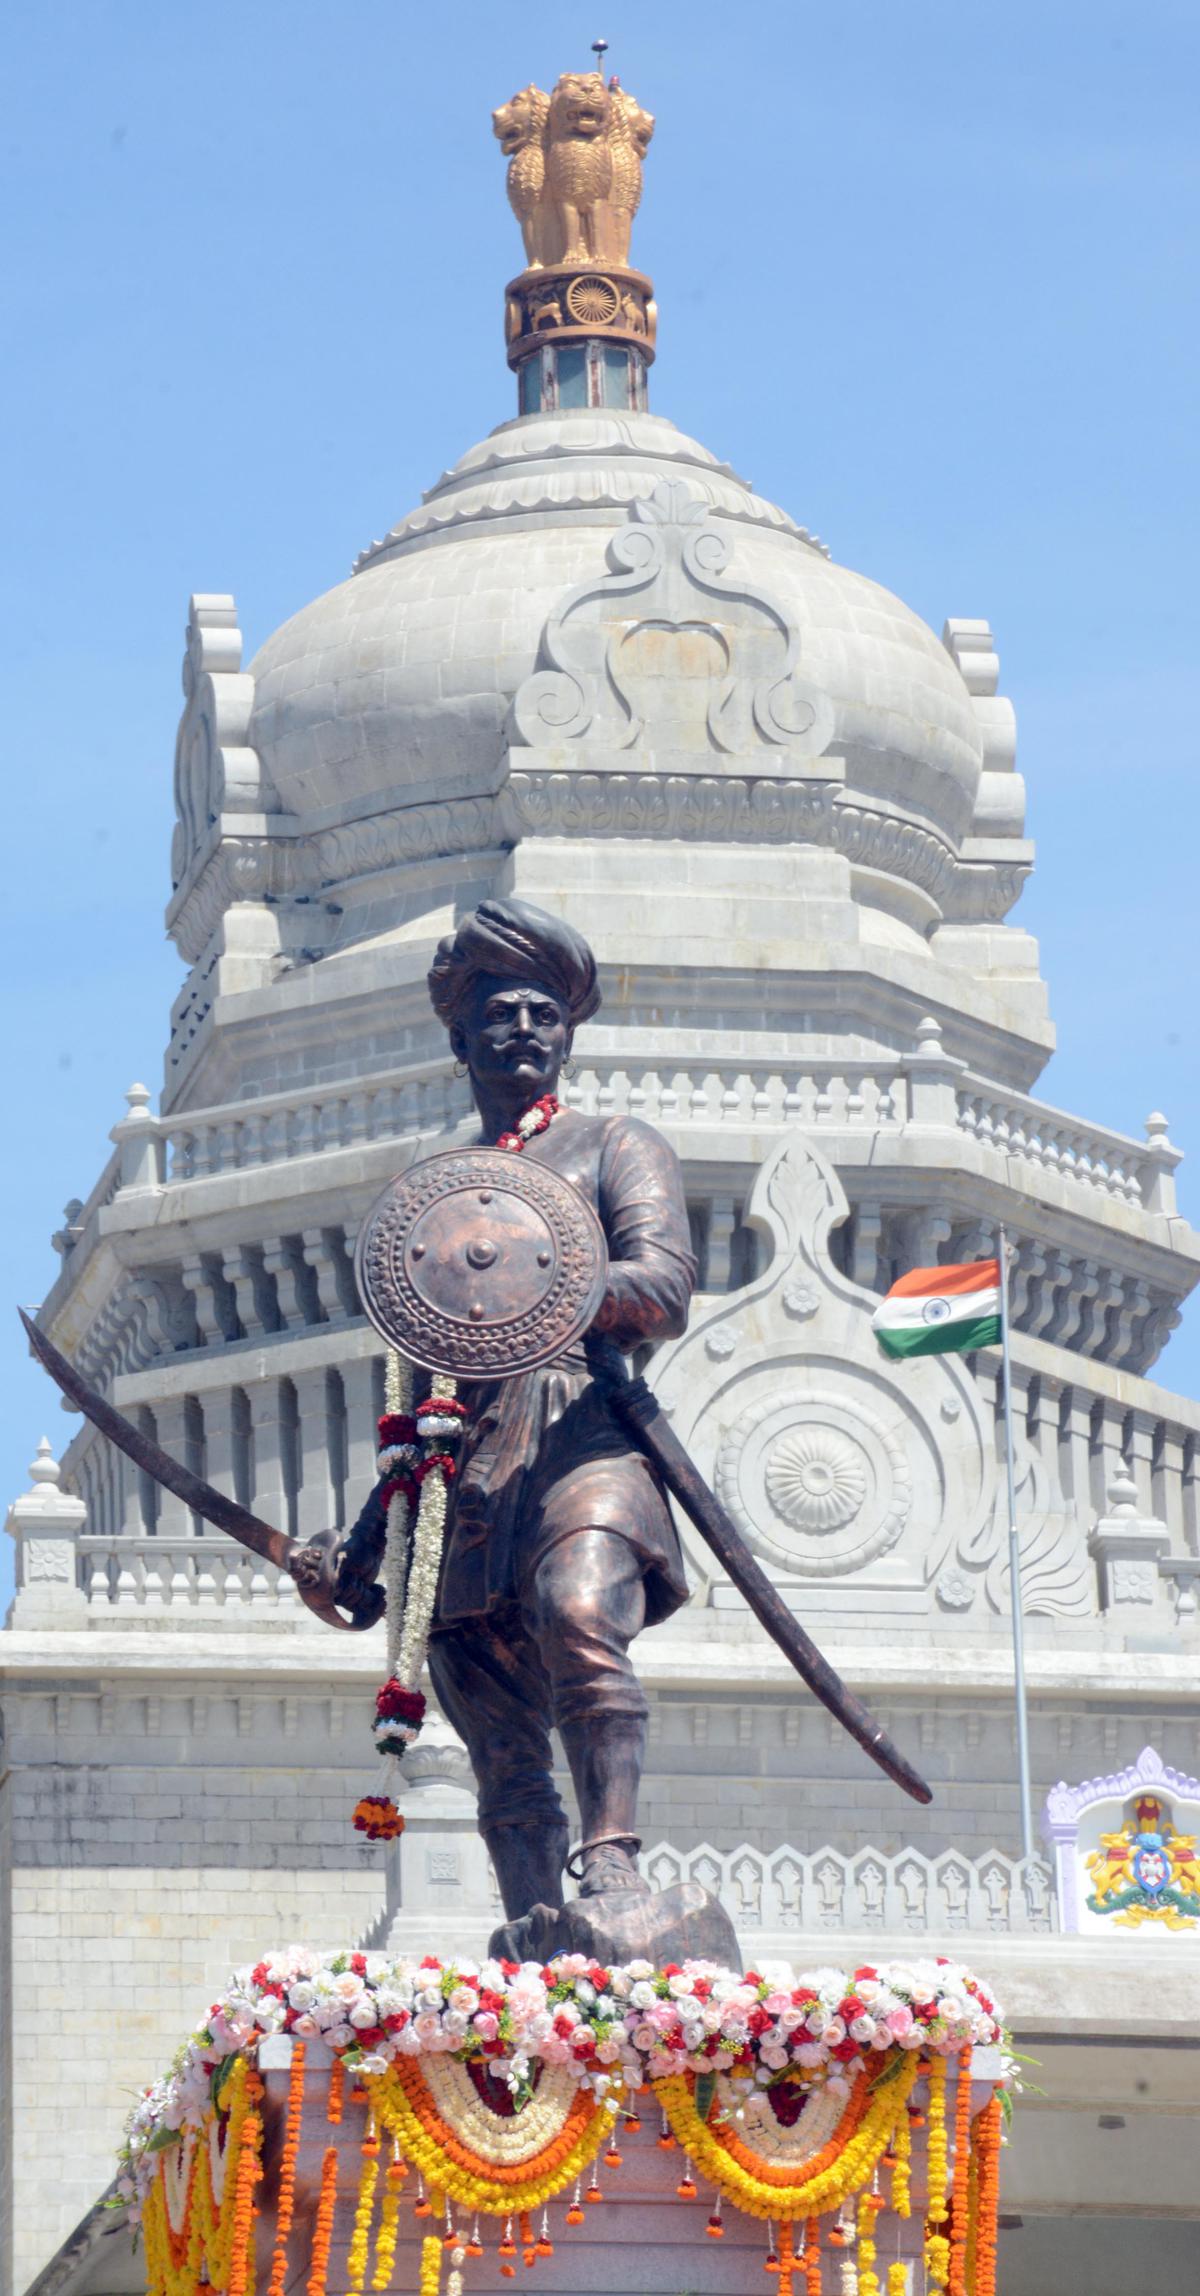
(592, 301)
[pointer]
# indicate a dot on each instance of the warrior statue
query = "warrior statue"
(559, 1542)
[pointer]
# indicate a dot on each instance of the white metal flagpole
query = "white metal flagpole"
(1014, 1571)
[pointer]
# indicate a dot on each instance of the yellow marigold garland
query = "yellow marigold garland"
(902, 2168)
(897, 2278)
(869, 2205)
(431, 2266)
(403, 2107)
(937, 2247)
(389, 2225)
(813, 2192)
(360, 2238)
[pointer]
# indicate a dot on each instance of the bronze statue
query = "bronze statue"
(559, 1541)
(559, 1545)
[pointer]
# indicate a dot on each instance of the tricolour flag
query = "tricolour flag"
(941, 1311)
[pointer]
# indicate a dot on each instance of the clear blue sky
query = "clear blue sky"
(926, 274)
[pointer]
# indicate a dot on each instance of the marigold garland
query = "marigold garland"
(431, 2266)
(403, 2106)
(987, 2136)
(960, 2198)
(937, 2247)
(763, 2192)
(389, 2224)
(869, 2205)
(360, 2237)
(323, 2228)
(501, 2085)
(285, 2202)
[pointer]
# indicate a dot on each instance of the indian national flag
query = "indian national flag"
(941, 1311)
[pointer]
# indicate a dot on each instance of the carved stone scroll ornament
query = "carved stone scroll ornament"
(216, 771)
(665, 654)
(834, 1464)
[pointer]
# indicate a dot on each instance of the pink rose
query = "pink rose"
(486, 2024)
(899, 2022)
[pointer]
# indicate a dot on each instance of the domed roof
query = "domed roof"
(394, 688)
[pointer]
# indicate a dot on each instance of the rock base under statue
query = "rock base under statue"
(683, 1923)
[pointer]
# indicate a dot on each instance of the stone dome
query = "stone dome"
(395, 687)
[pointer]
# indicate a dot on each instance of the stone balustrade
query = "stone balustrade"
(837, 1095)
(1107, 1163)
(904, 1891)
(210, 1573)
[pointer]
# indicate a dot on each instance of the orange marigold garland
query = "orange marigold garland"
(960, 2202)
(988, 2129)
(247, 2173)
(323, 2228)
(286, 2200)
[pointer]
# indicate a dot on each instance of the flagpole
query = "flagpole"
(1014, 1570)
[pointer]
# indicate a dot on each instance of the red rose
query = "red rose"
(760, 2021)
(844, 2050)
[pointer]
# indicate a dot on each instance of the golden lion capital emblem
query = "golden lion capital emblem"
(574, 169)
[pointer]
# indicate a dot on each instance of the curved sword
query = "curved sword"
(656, 1439)
(310, 1566)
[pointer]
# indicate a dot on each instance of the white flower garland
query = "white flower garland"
(426, 1561)
(398, 1399)
(506, 2139)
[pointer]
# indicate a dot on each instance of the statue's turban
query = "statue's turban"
(517, 942)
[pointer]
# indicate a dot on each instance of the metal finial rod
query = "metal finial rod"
(600, 51)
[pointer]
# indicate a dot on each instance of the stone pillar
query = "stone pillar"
(439, 1880)
(175, 1520)
(314, 1505)
(269, 1501)
(137, 1138)
(933, 1076)
(1162, 1156)
(1127, 1546)
(46, 1524)
(358, 1382)
(217, 1405)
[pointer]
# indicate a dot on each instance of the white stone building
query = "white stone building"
(594, 668)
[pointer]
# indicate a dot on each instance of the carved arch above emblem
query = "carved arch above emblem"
(671, 652)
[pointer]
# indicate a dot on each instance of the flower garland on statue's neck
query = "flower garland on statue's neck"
(537, 1119)
(417, 1470)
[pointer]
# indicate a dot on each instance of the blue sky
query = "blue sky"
(925, 274)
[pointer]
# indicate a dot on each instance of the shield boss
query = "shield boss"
(481, 1263)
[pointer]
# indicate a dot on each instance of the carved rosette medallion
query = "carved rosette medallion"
(817, 1481)
(481, 1263)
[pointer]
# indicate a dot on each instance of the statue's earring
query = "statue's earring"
(567, 1069)
(461, 1069)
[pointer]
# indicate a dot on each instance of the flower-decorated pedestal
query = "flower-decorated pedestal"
(345, 2123)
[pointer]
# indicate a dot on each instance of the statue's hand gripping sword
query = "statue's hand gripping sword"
(313, 1567)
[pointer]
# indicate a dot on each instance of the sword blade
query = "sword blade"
(224, 1513)
(657, 1439)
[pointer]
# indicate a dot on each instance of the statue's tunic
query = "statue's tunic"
(543, 1455)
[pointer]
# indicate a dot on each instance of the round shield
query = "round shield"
(481, 1263)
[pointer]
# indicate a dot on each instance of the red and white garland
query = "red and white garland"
(537, 1119)
(417, 1468)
